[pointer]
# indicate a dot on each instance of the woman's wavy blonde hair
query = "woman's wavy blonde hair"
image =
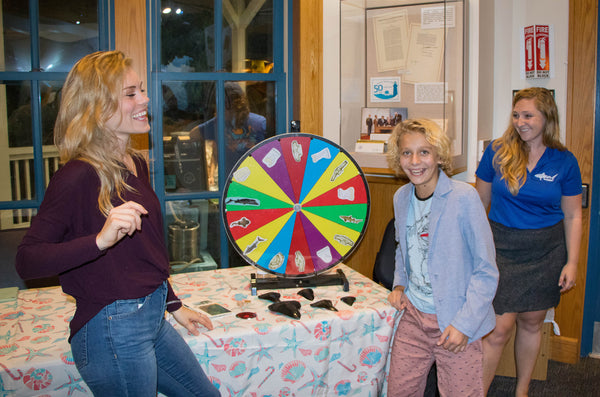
(512, 153)
(90, 97)
(433, 134)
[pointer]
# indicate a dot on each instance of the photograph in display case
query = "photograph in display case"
(380, 120)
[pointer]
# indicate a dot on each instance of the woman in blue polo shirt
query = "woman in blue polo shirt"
(532, 186)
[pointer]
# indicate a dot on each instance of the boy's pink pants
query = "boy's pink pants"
(414, 350)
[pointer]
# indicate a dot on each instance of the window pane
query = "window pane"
(193, 235)
(249, 119)
(18, 112)
(185, 105)
(17, 218)
(19, 166)
(261, 98)
(18, 109)
(50, 100)
(17, 36)
(68, 31)
(17, 170)
(193, 21)
(248, 37)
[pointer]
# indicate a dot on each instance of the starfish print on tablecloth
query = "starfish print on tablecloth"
(262, 352)
(344, 337)
(205, 358)
(31, 353)
(370, 329)
(292, 343)
(73, 384)
(315, 383)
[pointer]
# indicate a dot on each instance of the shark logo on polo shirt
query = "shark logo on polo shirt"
(545, 178)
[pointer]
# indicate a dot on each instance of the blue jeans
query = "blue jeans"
(129, 349)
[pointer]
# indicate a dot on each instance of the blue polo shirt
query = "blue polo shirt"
(537, 205)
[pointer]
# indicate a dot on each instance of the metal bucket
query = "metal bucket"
(183, 241)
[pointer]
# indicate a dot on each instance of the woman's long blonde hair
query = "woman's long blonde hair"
(433, 134)
(90, 96)
(512, 153)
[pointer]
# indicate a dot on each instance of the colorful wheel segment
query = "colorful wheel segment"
(295, 205)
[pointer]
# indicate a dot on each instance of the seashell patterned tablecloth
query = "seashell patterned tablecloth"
(324, 353)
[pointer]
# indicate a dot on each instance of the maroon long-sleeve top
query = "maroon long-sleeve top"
(62, 240)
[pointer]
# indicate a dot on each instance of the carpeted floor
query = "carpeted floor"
(569, 380)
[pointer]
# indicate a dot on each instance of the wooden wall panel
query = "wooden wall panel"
(130, 37)
(308, 65)
(581, 93)
(382, 210)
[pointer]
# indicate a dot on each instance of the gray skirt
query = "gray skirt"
(530, 262)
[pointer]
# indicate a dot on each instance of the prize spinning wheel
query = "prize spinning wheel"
(296, 205)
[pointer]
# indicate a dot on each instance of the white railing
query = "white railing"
(22, 182)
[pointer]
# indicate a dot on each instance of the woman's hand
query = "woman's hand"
(191, 319)
(453, 340)
(568, 276)
(122, 220)
(397, 298)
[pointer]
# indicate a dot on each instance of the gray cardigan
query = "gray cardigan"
(462, 258)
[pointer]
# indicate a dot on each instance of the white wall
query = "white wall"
(509, 19)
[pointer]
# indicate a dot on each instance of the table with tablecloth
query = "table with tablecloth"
(330, 353)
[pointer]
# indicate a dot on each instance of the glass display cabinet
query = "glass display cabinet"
(400, 59)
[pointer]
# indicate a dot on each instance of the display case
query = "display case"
(400, 59)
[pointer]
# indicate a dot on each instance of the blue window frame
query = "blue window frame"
(42, 41)
(198, 51)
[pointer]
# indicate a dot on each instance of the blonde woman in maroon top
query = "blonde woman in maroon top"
(100, 229)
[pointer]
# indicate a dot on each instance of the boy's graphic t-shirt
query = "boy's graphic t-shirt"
(419, 290)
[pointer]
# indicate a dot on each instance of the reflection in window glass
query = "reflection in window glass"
(185, 105)
(17, 36)
(50, 100)
(249, 119)
(193, 21)
(18, 111)
(50, 97)
(261, 99)
(68, 31)
(248, 38)
(193, 234)
(18, 103)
